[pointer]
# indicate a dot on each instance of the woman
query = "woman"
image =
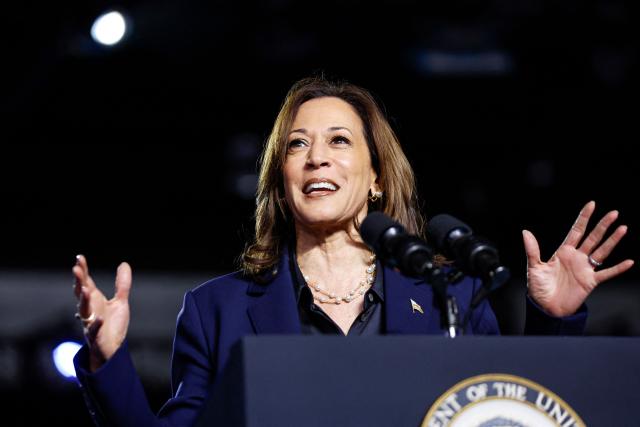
(331, 158)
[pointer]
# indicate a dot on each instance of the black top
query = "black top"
(315, 321)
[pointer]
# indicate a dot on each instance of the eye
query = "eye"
(296, 143)
(339, 140)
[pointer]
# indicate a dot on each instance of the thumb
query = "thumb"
(531, 248)
(123, 281)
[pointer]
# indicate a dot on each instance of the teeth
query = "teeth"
(320, 186)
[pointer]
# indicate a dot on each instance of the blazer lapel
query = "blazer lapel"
(404, 297)
(275, 310)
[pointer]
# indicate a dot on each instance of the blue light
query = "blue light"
(63, 358)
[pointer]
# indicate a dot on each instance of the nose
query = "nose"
(318, 155)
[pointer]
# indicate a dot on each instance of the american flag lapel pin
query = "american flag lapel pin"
(415, 307)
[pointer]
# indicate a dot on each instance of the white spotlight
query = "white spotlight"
(63, 358)
(109, 28)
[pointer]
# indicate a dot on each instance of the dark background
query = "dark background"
(514, 114)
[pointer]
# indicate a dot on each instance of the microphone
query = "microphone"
(394, 246)
(414, 257)
(474, 255)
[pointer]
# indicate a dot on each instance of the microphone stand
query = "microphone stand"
(417, 259)
(449, 313)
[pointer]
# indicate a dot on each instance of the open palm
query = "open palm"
(105, 320)
(562, 284)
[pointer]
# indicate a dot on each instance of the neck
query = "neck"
(331, 256)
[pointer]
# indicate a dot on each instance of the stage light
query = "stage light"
(467, 63)
(63, 358)
(109, 28)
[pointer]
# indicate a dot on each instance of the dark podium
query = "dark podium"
(394, 380)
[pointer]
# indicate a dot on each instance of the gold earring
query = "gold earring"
(375, 196)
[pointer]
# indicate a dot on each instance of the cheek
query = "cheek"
(365, 175)
(288, 194)
(289, 185)
(288, 177)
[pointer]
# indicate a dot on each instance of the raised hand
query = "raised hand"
(564, 282)
(105, 320)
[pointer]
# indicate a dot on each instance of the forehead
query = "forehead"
(326, 112)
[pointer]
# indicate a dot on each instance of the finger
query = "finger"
(81, 260)
(77, 280)
(595, 237)
(81, 271)
(605, 249)
(84, 302)
(91, 330)
(611, 272)
(123, 281)
(578, 228)
(81, 281)
(531, 248)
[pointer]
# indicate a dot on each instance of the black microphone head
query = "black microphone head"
(373, 228)
(395, 247)
(439, 229)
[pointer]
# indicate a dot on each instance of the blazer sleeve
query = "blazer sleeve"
(114, 393)
(538, 322)
(483, 320)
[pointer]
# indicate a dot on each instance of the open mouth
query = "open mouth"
(321, 185)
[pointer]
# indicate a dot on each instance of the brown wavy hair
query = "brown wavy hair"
(274, 223)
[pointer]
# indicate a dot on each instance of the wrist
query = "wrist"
(96, 360)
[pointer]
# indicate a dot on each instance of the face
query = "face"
(327, 170)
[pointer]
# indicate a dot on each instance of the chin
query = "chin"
(321, 215)
(319, 220)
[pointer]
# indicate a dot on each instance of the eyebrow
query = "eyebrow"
(333, 128)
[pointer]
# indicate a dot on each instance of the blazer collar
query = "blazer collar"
(274, 310)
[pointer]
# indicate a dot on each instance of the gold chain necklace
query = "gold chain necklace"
(329, 297)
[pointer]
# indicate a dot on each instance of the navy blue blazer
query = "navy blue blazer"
(218, 313)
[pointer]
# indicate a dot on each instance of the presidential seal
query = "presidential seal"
(500, 400)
